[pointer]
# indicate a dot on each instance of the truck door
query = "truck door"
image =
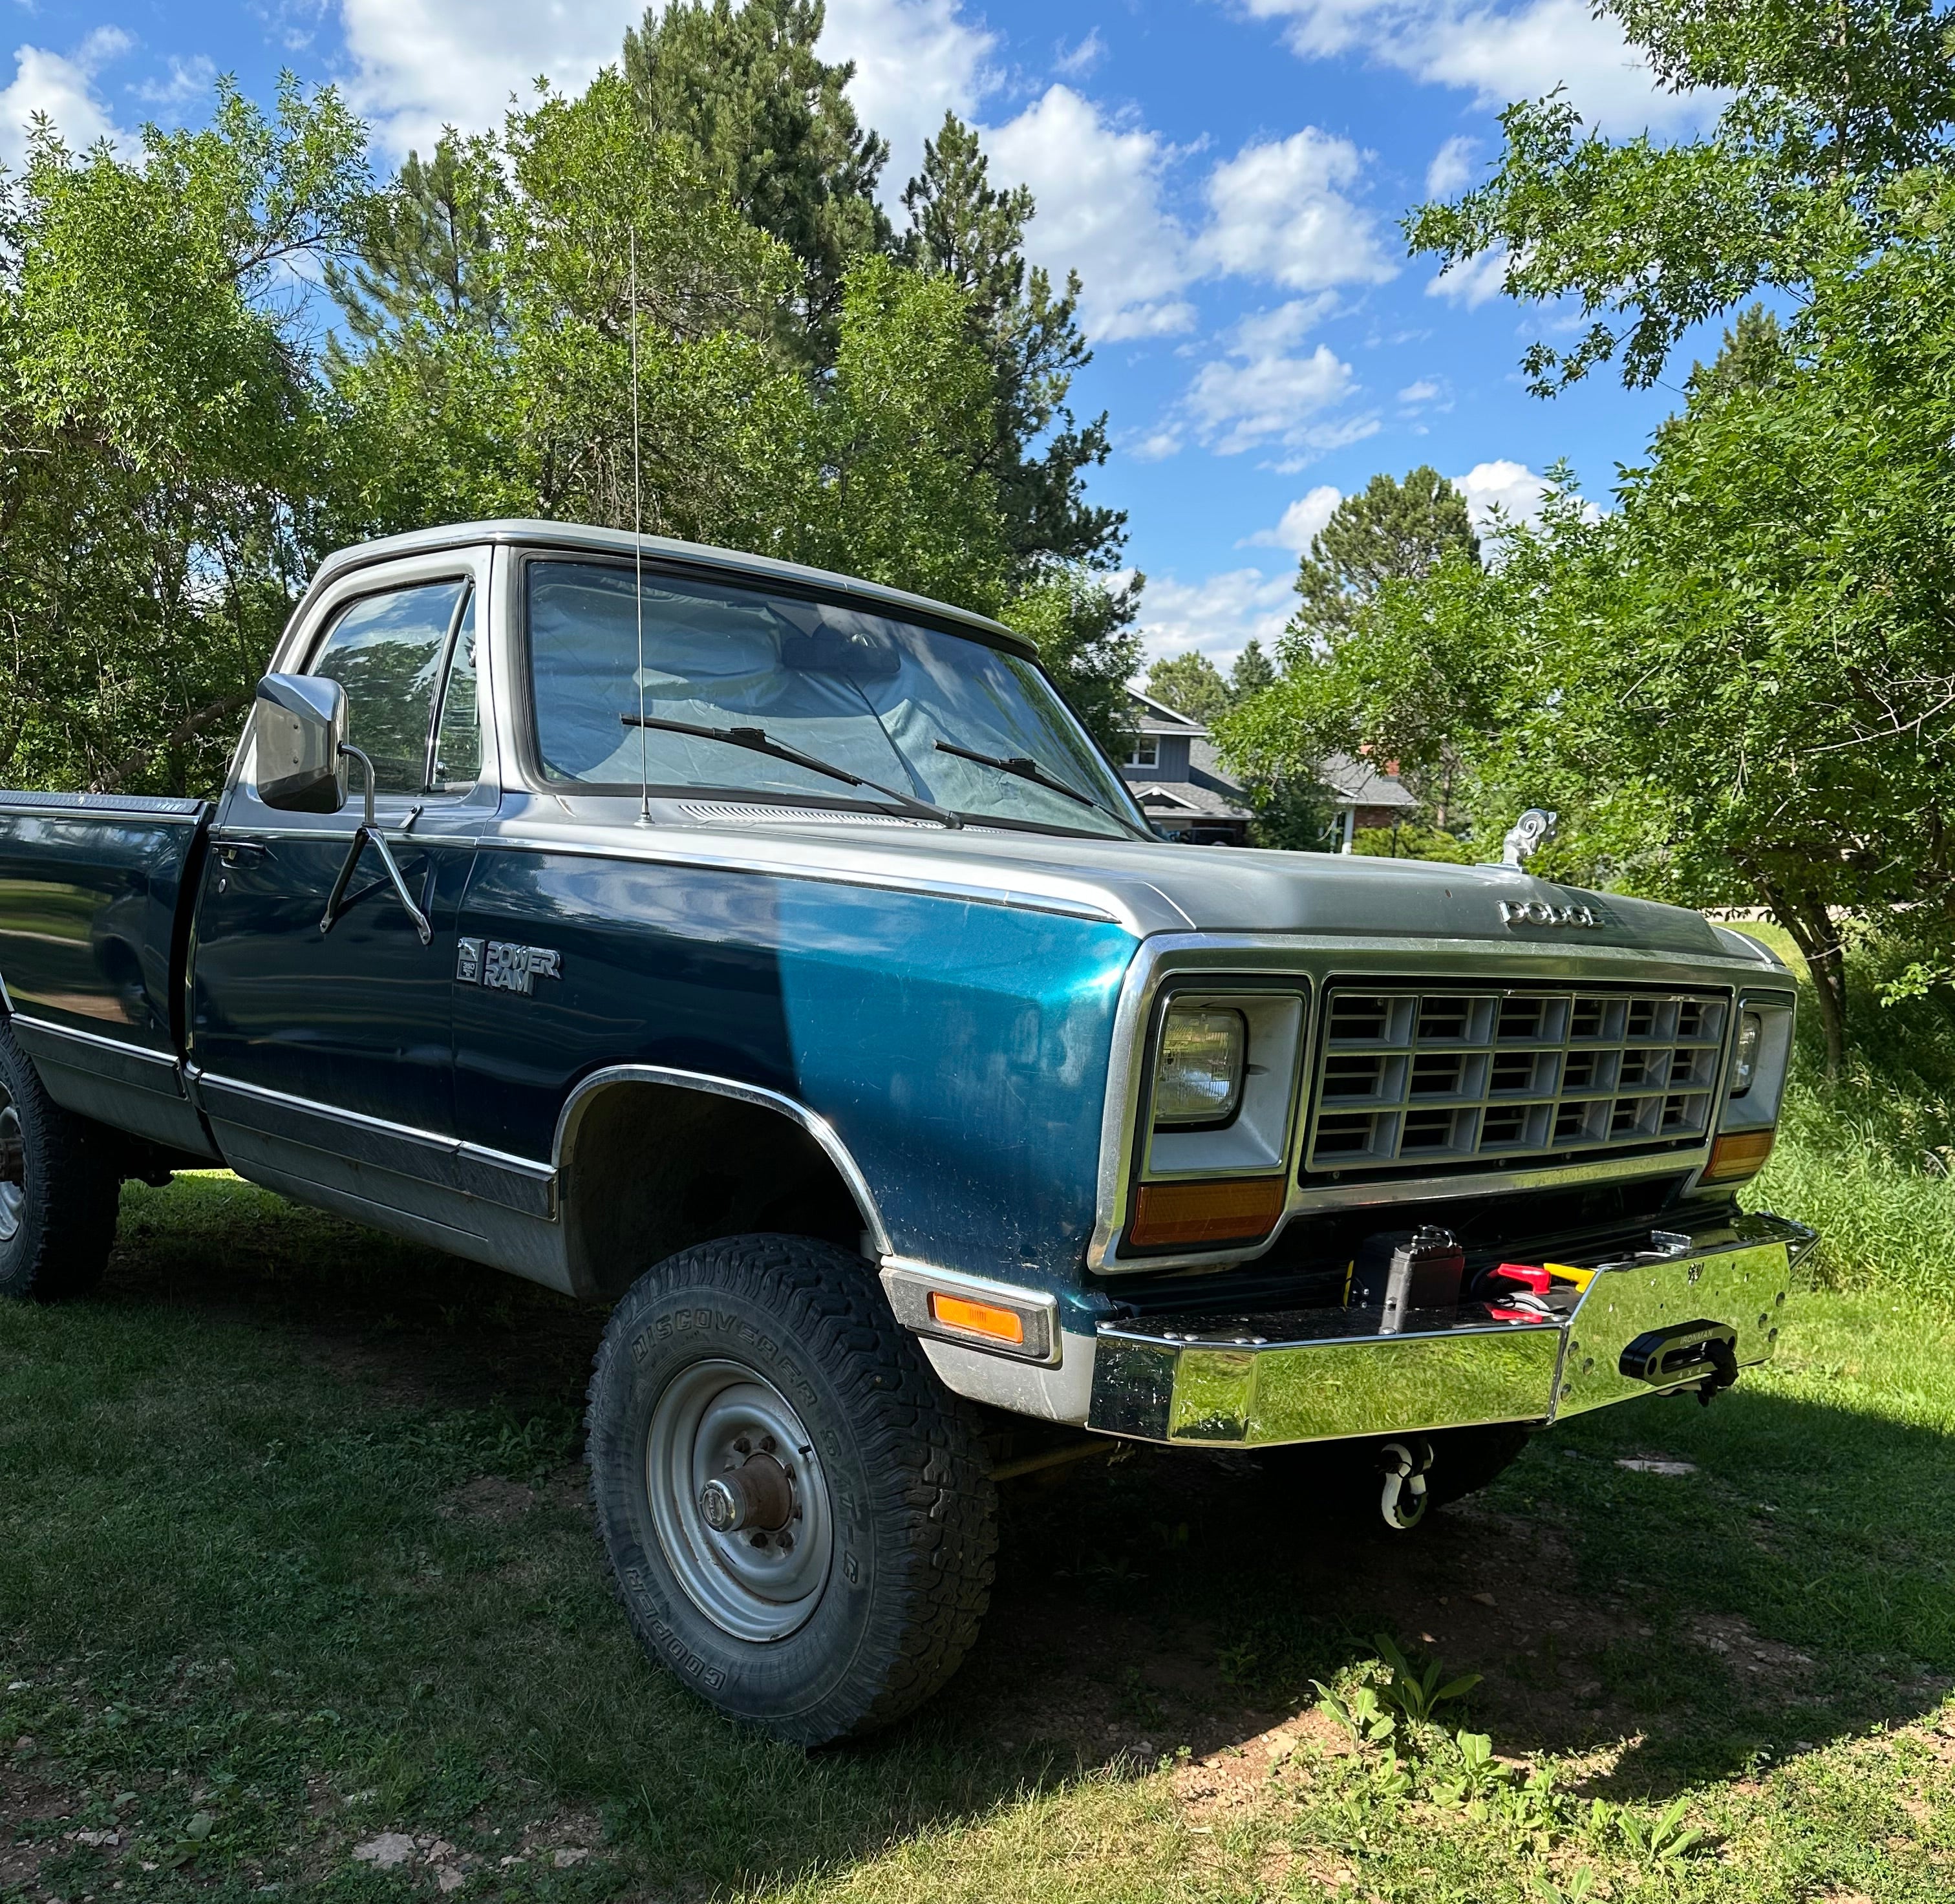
(323, 1058)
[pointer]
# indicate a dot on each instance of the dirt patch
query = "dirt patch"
(1766, 1666)
(25, 1801)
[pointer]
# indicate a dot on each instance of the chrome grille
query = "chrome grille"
(1450, 1076)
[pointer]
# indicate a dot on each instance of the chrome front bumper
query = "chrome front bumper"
(1320, 1375)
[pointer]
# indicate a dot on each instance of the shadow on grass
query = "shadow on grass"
(297, 1507)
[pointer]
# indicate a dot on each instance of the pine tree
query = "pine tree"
(1191, 684)
(1254, 671)
(770, 124)
(972, 231)
(1389, 531)
(428, 246)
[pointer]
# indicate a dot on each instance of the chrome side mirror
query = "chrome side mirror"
(299, 724)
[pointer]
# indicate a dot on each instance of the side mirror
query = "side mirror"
(300, 729)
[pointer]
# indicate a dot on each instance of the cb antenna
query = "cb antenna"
(638, 555)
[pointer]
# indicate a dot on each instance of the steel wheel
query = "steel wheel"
(739, 1500)
(13, 1168)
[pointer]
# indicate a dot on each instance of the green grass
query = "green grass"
(294, 1552)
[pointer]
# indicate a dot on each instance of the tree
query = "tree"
(427, 249)
(1388, 531)
(973, 232)
(1083, 626)
(1825, 103)
(769, 124)
(1253, 672)
(1191, 685)
(163, 443)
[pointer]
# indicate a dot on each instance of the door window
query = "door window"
(387, 651)
(457, 734)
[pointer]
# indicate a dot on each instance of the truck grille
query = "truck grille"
(1454, 1078)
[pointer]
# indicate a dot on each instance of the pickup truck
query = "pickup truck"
(773, 957)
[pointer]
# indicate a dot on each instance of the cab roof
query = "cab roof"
(668, 552)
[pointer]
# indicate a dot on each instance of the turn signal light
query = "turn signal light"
(979, 1318)
(1237, 1210)
(1741, 1154)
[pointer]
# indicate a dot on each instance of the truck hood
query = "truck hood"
(1154, 887)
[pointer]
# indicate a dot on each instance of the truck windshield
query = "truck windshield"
(868, 693)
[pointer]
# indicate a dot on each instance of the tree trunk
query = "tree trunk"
(1813, 931)
(108, 782)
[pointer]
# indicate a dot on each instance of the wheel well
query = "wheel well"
(648, 1170)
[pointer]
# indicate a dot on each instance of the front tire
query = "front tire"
(58, 1189)
(798, 1516)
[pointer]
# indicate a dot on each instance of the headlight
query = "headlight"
(1198, 1079)
(1745, 1059)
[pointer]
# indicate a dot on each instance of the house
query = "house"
(1183, 789)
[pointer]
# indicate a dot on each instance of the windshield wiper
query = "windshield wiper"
(1025, 767)
(757, 740)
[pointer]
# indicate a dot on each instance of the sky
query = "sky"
(1227, 176)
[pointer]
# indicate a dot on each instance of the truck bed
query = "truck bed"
(97, 892)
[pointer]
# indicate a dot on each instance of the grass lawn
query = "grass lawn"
(295, 1565)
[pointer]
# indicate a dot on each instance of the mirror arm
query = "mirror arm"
(367, 834)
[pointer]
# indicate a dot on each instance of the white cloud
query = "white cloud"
(1512, 486)
(1472, 281)
(1424, 391)
(1263, 389)
(1080, 59)
(1216, 617)
(62, 85)
(421, 64)
(1279, 211)
(1497, 52)
(1300, 521)
(1098, 188)
(1452, 166)
(190, 79)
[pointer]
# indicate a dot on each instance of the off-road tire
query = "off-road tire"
(913, 1522)
(1343, 1482)
(64, 1224)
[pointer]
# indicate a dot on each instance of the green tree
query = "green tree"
(1083, 627)
(162, 440)
(1254, 671)
(1389, 531)
(769, 124)
(973, 232)
(1825, 104)
(1191, 685)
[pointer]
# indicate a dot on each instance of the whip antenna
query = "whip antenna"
(638, 556)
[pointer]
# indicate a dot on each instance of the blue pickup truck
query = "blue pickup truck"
(773, 957)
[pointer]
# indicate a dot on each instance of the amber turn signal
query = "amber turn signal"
(1741, 1154)
(979, 1318)
(1236, 1210)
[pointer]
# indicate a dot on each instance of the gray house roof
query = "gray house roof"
(1357, 783)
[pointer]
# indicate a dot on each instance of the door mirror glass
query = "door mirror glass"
(299, 728)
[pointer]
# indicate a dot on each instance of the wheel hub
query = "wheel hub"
(739, 1500)
(13, 1168)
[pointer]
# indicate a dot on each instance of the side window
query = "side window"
(386, 651)
(458, 736)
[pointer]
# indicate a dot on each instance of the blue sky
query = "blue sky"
(1226, 175)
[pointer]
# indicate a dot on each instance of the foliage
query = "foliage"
(1415, 841)
(1388, 531)
(1419, 1695)
(1823, 106)
(1191, 684)
(971, 231)
(1084, 628)
(163, 439)
(769, 124)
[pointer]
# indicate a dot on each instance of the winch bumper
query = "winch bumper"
(1687, 1311)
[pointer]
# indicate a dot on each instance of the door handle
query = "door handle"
(235, 852)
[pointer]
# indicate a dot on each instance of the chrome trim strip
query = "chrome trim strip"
(102, 806)
(907, 1283)
(604, 842)
(817, 1126)
(97, 1040)
(473, 1170)
(105, 1061)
